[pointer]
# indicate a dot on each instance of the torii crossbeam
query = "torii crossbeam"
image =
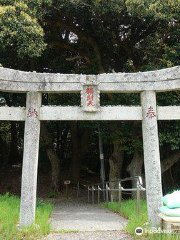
(90, 86)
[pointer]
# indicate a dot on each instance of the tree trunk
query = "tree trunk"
(135, 169)
(13, 151)
(53, 157)
(14, 154)
(115, 162)
(75, 163)
(4, 150)
(80, 146)
(168, 181)
(169, 161)
(166, 164)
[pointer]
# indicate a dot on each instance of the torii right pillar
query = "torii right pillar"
(151, 156)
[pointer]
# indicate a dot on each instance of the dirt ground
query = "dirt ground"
(10, 181)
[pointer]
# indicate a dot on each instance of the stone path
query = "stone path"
(81, 216)
(104, 235)
(89, 222)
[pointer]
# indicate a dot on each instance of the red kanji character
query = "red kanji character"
(29, 114)
(151, 112)
(35, 113)
(90, 96)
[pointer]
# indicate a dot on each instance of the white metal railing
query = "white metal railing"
(106, 190)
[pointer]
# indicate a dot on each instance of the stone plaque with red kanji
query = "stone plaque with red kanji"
(90, 98)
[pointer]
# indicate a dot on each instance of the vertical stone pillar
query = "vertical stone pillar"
(30, 159)
(151, 156)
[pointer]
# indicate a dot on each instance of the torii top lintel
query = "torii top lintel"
(160, 80)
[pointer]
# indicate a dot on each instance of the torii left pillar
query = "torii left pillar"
(30, 159)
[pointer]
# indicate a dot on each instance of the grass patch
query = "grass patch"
(128, 210)
(9, 219)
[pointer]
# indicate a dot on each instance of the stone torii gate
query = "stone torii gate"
(34, 84)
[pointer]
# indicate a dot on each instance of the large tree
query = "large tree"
(91, 37)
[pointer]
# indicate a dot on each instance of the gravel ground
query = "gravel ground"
(80, 216)
(105, 235)
(89, 222)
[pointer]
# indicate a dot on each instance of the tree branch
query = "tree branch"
(70, 48)
(89, 40)
(169, 161)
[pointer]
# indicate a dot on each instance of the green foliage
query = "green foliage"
(111, 6)
(128, 210)
(158, 9)
(20, 28)
(9, 218)
(52, 194)
(64, 99)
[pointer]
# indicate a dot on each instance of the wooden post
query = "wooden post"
(138, 199)
(93, 194)
(120, 192)
(98, 195)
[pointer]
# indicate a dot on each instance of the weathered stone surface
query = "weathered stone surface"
(151, 156)
(168, 113)
(30, 159)
(12, 114)
(108, 113)
(160, 80)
